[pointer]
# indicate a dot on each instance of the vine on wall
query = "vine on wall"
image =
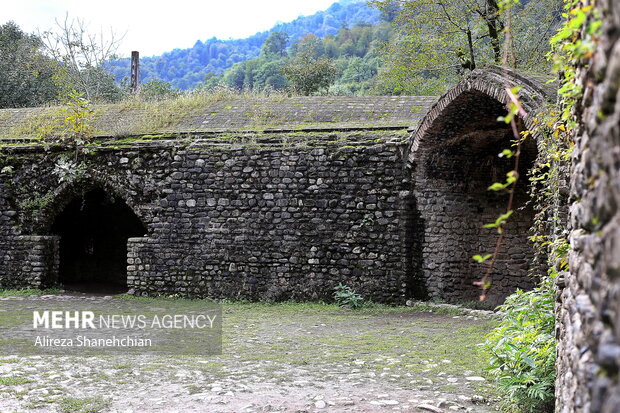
(523, 346)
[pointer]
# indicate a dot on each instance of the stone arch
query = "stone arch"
(67, 191)
(93, 221)
(452, 159)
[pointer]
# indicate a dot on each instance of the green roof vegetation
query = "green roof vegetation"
(201, 113)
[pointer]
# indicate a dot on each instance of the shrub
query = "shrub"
(346, 297)
(523, 350)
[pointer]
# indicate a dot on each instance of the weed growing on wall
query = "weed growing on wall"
(68, 170)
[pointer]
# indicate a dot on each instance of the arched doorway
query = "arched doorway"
(93, 230)
(454, 159)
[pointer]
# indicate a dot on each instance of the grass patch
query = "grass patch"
(14, 381)
(121, 366)
(83, 405)
(28, 292)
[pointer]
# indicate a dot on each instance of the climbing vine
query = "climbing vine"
(523, 346)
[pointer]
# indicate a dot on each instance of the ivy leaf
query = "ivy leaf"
(480, 259)
(507, 153)
(497, 186)
(500, 221)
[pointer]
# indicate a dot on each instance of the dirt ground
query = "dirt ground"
(286, 357)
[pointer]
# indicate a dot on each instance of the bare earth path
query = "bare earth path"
(276, 358)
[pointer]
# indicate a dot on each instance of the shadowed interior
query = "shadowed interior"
(93, 230)
(456, 163)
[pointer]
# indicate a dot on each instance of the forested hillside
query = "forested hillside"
(186, 68)
(347, 63)
(390, 47)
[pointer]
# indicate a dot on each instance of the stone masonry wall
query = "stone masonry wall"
(588, 309)
(34, 257)
(266, 221)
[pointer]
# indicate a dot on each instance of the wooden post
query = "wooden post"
(135, 71)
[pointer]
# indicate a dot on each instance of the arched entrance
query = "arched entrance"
(453, 159)
(93, 230)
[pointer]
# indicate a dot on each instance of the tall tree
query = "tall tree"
(26, 74)
(440, 39)
(275, 45)
(308, 75)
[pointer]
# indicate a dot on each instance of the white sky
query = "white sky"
(154, 27)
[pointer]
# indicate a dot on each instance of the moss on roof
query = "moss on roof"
(203, 113)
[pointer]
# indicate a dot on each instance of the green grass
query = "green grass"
(83, 405)
(14, 381)
(28, 292)
(121, 366)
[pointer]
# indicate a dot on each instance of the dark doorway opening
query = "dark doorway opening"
(456, 162)
(93, 230)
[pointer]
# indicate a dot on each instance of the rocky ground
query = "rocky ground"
(276, 358)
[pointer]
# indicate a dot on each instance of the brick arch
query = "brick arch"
(489, 84)
(452, 159)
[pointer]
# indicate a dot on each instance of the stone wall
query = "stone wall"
(269, 220)
(281, 198)
(588, 308)
(35, 259)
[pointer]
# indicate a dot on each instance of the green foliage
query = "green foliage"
(69, 125)
(482, 258)
(27, 292)
(275, 45)
(68, 170)
(500, 221)
(308, 75)
(9, 170)
(26, 74)
(40, 69)
(354, 52)
(80, 56)
(14, 381)
(570, 45)
(158, 90)
(78, 127)
(523, 346)
(346, 297)
(187, 68)
(522, 350)
(35, 204)
(437, 41)
(83, 405)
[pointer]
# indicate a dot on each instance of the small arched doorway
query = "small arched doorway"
(93, 230)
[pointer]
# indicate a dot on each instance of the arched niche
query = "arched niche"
(453, 159)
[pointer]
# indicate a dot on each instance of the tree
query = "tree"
(26, 74)
(440, 39)
(158, 90)
(81, 56)
(308, 75)
(275, 45)
(310, 46)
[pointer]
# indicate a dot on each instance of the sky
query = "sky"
(153, 28)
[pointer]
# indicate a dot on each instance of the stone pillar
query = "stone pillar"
(35, 262)
(137, 269)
